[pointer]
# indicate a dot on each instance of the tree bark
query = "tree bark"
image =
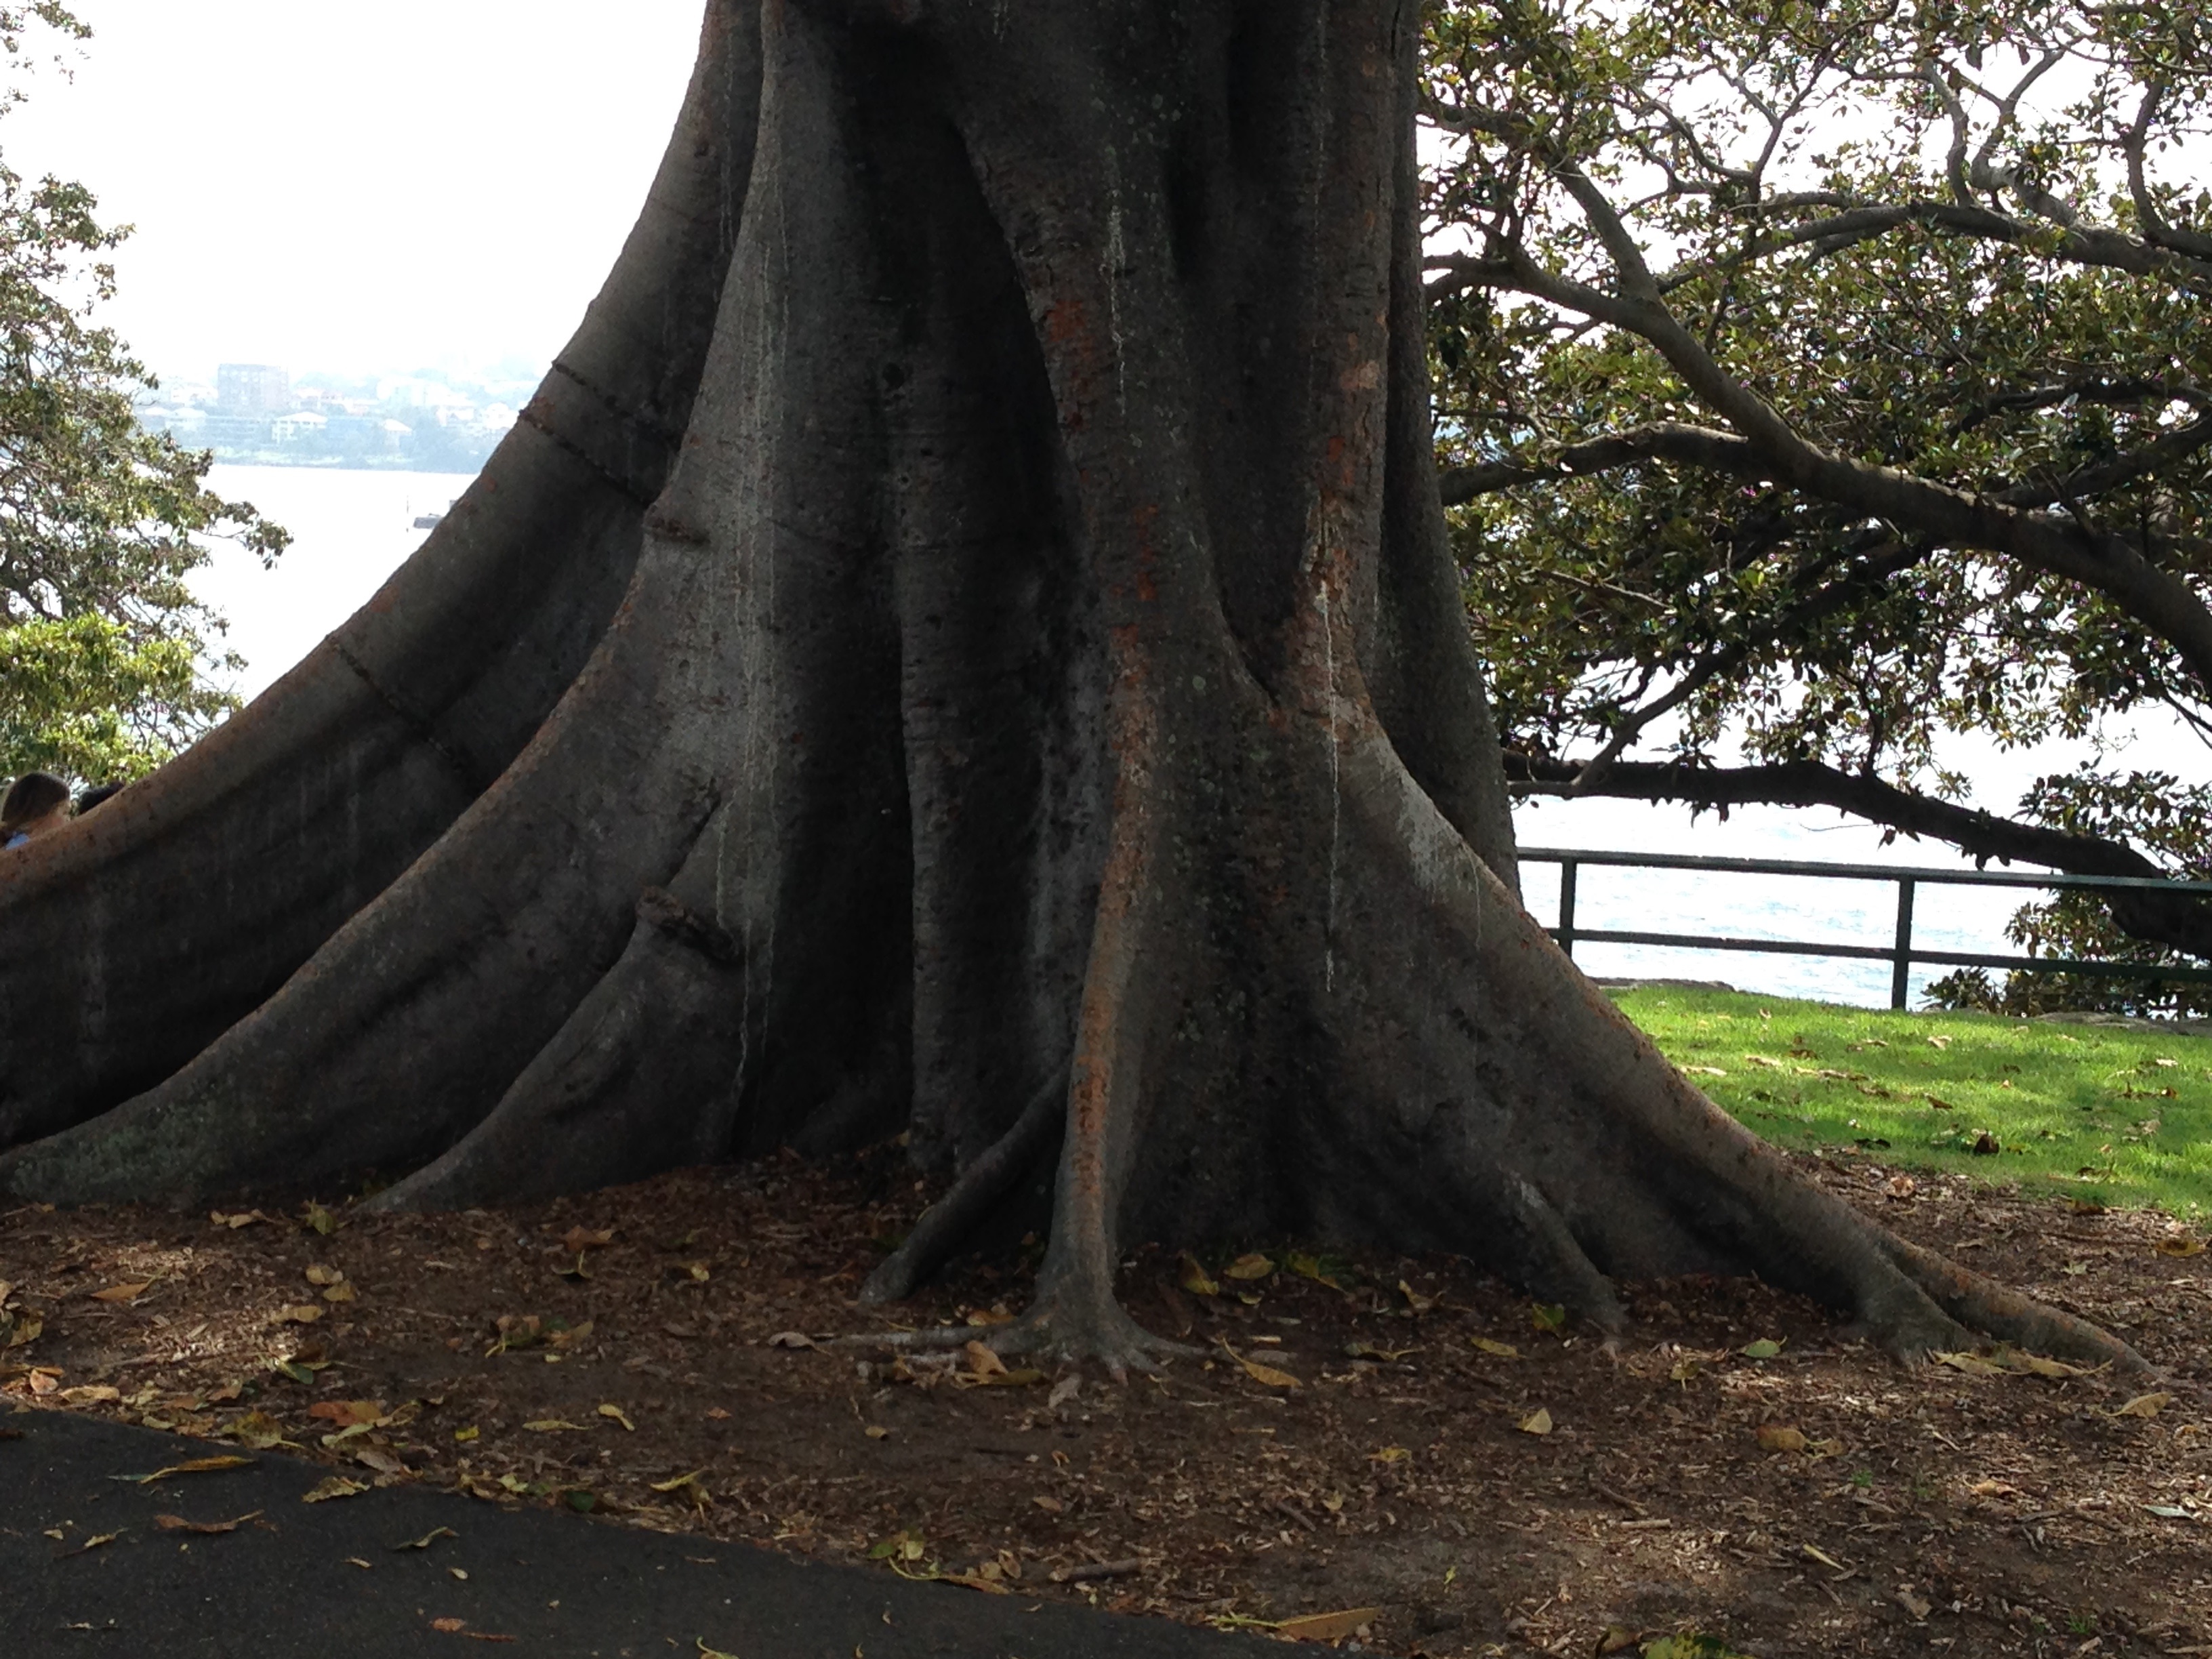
(1041, 678)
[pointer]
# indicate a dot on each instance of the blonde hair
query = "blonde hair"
(31, 796)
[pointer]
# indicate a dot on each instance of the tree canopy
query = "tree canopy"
(104, 653)
(1821, 380)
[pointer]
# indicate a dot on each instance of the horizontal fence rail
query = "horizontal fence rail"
(1900, 954)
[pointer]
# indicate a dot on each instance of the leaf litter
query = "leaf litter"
(1214, 1492)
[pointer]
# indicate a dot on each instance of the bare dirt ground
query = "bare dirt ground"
(1409, 1445)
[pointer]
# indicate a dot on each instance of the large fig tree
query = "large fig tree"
(963, 643)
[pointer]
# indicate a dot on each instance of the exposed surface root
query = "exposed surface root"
(1057, 1326)
(1570, 1275)
(2007, 1315)
(947, 1223)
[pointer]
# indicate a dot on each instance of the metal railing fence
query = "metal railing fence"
(1901, 954)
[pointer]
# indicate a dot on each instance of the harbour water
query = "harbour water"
(351, 530)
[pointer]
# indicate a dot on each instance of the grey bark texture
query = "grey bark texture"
(965, 647)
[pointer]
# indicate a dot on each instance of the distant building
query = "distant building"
(253, 389)
(185, 422)
(303, 424)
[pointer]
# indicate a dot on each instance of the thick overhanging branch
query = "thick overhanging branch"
(2120, 393)
(1765, 446)
(1663, 440)
(2156, 229)
(2077, 244)
(2181, 924)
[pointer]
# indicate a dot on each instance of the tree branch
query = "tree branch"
(2181, 924)
(2133, 142)
(1769, 448)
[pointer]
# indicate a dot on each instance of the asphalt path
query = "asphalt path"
(89, 1569)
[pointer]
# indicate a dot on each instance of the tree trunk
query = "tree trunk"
(1039, 719)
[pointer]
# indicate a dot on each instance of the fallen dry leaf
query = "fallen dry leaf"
(196, 1465)
(1776, 1437)
(96, 1541)
(345, 1413)
(1196, 1280)
(426, 1539)
(1537, 1422)
(258, 1430)
(1500, 1350)
(2181, 1246)
(1993, 1489)
(1327, 1626)
(577, 1240)
(1972, 1363)
(1267, 1375)
(319, 1275)
(791, 1339)
(1249, 1267)
(1825, 1558)
(984, 1360)
(203, 1528)
(617, 1415)
(974, 1581)
(447, 1626)
(553, 1425)
(684, 1482)
(2144, 1406)
(123, 1292)
(305, 1314)
(1369, 1351)
(335, 1486)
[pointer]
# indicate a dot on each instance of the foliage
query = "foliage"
(2158, 812)
(1819, 381)
(102, 648)
(2103, 1113)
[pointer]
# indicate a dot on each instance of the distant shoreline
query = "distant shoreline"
(340, 465)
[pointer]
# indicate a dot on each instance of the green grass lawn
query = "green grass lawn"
(2103, 1113)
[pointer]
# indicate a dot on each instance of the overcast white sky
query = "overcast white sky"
(368, 188)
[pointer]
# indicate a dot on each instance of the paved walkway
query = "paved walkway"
(327, 1580)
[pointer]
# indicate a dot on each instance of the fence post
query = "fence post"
(1567, 906)
(1901, 962)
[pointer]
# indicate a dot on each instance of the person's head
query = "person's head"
(35, 803)
(93, 796)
